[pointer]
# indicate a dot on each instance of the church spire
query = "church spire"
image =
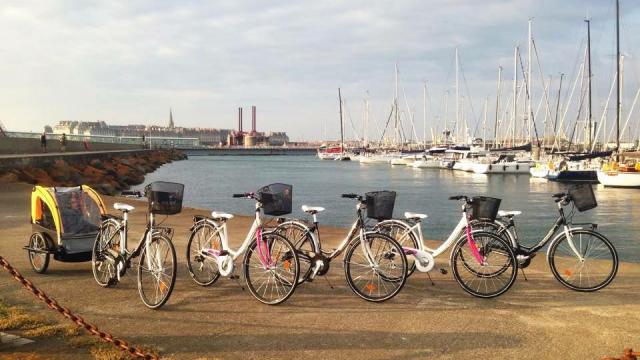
(171, 125)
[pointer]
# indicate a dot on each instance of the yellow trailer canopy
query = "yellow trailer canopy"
(67, 210)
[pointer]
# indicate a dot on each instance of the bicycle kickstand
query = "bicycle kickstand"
(236, 279)
(430, 279)
(523, 274)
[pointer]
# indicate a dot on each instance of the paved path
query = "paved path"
(70, 153)
(536, 319)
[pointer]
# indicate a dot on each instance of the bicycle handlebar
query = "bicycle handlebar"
(350, 196)
(459, 197)
(243, 195)
(130, 193)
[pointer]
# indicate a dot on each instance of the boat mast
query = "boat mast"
(555, 123)
(515, 95)
(397, 114)
(341, 125)
(495, 126)
(619, 76)
(589, 114)
(424, 115)
(366, 121)
(457, 127)
(484, 124)
(529, 81)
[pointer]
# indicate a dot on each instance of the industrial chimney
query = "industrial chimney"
(253, 119)
(239, 119)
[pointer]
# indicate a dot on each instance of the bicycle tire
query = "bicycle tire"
(390, 252)
(287, 259)
(166, 287)
(196, 262)
(407, 238)
(105, 277)
(300, 237)
(554, 260)
(509, 259)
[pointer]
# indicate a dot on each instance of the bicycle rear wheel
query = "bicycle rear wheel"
(203, 269)
(401, 233)
(302, 241)
(494, 275)
(157, 271)
(271, 270)
(103, 255)
(376, 268)
(598, 267)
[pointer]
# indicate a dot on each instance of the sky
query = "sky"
(128, 62)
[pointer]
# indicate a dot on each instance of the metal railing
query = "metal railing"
(149, 141)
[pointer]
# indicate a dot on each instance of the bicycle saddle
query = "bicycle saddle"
(221, 216)
(123, 207)
(504, 213)
(414, 216)
(312, 209)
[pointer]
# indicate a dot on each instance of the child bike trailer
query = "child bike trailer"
(65, 223)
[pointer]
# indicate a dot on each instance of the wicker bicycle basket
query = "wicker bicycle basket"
(276, 199)
(380, 204)
(165, 198)
(583, 197)
(484, 208)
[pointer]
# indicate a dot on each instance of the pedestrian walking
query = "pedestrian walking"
(43, 142)
(63, 143)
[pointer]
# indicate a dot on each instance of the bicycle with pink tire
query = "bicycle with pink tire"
(270, 265)
(482, 262)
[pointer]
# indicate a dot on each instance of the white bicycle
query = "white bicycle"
(482, 262)
(157, 266)
(270, 264)
(374, 264)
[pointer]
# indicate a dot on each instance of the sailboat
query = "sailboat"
(343, 156)
(614, 174)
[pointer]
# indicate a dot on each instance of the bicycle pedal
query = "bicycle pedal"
(234, 277)
(443, 271)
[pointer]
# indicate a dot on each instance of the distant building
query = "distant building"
(204, 136)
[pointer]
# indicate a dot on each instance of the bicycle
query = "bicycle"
(483, 264)
(157, 265)
(270, 264)
(570, 249)
(374, 264)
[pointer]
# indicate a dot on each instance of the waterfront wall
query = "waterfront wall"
(238, 151)
(107, 171)
(18, 145)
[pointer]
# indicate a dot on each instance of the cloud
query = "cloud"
(128, 62)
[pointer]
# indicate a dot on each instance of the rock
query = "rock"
(9, 178)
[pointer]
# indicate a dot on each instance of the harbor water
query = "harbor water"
(210, 181)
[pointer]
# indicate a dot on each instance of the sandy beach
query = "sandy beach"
(536, 319)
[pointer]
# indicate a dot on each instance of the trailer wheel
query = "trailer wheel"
(39, 259)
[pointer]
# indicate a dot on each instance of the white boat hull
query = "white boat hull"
(619, 179)
(502, 168)
(427, 164)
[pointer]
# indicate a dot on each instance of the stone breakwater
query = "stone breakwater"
(108, 174)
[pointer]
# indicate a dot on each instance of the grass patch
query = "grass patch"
(35, 326)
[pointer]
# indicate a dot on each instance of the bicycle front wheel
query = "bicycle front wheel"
(157, 271)
(271, 268)
(491, 275)
(376, 268)
(587, 262)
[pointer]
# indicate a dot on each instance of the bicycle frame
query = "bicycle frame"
(561, 221)
(356, 227)
(221, 228)
(463, 225)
